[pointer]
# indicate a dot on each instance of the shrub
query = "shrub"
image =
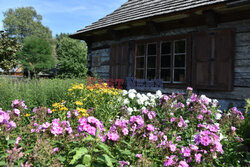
(135, 129)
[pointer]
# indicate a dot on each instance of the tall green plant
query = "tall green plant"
(36, 55)
(72, 57)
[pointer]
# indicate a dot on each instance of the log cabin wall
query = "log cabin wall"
(100, 56)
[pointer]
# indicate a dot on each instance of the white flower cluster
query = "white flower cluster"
(142, 99)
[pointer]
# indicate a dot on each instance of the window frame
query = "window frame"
(158, 41)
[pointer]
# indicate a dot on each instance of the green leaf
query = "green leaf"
(80, 165)
(108, 160)
(88, 139)
(104, 148)
(2, 163)
(62, 159)
(79, 153)
(86, 159)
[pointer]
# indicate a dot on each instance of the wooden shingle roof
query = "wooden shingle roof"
(139, 9)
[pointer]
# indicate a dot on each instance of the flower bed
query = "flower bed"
(101, 126)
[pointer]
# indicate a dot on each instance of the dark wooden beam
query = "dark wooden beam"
(152, 26)
(114, 34)
(211, 18)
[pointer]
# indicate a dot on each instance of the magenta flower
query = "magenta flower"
(170, 161)
(123, 163)
(46, 125)
(233, 128)
(68, 114)
(186, 152)
(198, 158)
(113, 136)
(172, 146)
(150, 127)
(49, 111)
(172, 119)
(200, 117)
(151, 115)
(138, 155)
(189, 89)
(183, 164)
(56, 149)
(153, 137)
(17, 140)
(16, 111)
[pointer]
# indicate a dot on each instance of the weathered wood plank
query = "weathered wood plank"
(242, 39)
(244, 82)
(242, 63)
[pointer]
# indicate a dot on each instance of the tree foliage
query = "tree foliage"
(23, 22)
(36, 55)
(72, 57)
(8, 52)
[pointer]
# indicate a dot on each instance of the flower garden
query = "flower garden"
(96, 125)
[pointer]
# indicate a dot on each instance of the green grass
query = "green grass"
(42, 92)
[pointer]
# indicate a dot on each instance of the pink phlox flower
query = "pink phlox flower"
(151, 115)
(193, 97)
(198, 158)
(233, 128)
(193, 147)
(237, 113)
(46, 125)
(183, 164)
(113, 136)
(16, 111)
(150, 127)
(172, 119)
(185, 151)
(153, 137)
(11, 124)
(17, 140)
(49, 111)
(145, 111)
(56, 149)
(35, 110)
(178, 138)
(172, 146)
(200, 117)
(170, 161)
(125, 131)
(213, 128)
(123, 163)
(4, 117)
(138, 155)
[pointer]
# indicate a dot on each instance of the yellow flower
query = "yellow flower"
(79, 103)
(27, 115)
(81, 110)
(53, 110)
(55, 105)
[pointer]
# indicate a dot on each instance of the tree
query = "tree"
(8, 52)
(71, 57)
(23, 22)
(36, 55)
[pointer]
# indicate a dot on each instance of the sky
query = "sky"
(65, 16)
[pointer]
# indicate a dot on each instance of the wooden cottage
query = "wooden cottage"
(204, 44)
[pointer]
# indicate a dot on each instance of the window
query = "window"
(165, 59)
(146, 61)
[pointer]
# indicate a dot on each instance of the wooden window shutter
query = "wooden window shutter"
(213, 60)
(119, 60)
